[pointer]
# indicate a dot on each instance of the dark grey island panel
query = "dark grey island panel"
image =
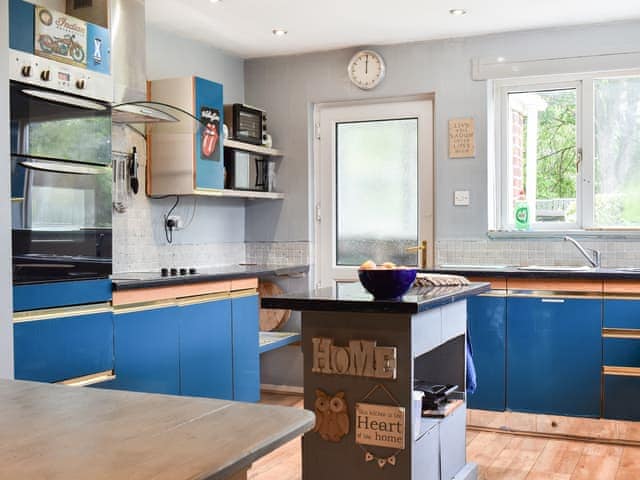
(361, 359)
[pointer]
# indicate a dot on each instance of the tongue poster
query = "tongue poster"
(209, 133)
(60, 37)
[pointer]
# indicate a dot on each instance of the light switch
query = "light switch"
(461, 198)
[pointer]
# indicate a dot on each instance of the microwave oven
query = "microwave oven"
(246, 171)
(245, 123)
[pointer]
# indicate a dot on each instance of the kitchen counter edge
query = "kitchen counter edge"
(209, 275)
(415, 301)
(515, 272)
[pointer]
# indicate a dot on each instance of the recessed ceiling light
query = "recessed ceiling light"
(457, 12)
(215, 1)
(279, 32)
(500, 59)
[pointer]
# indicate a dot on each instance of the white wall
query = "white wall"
(6, 307)
(289, 86)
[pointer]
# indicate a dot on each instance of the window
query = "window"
(569, 151)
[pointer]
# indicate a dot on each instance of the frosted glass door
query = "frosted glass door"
(373, 184)
(376, 191)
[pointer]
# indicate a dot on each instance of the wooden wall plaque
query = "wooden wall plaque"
(462, 142)
(380, 425)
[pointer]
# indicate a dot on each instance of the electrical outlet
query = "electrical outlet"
(174, 222)
(461, 198)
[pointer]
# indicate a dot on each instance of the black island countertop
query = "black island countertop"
(602, 273)
(134, 280)
(352, 297)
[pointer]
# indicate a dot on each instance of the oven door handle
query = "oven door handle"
(62, 167)
(64, 99)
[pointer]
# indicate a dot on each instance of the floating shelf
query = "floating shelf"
(249, 147)
(273, 340)
(249, 194)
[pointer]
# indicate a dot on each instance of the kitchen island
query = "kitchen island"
(60, 432)
(361, 359)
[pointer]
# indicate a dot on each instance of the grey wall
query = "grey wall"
(289, 86)
(138, 234)
(217, 231)
(170, 56)
(6, 308)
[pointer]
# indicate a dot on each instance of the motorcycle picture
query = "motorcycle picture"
(63, 46)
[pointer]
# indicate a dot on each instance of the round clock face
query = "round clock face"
(366, 69)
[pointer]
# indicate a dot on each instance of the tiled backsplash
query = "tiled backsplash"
(615, 252)
(138, 234)
(286, 253)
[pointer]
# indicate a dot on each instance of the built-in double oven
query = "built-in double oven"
(61, 176)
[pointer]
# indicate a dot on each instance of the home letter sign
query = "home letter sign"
(362, 358)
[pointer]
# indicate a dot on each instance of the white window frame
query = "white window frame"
(500, 188)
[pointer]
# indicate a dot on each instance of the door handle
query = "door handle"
(422, 248)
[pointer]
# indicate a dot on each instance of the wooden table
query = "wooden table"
(59, 432)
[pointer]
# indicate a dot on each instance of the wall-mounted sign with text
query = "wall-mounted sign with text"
(462, 143)
(361, 358)
(380, 425)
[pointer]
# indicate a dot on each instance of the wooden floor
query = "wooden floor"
(500, 456)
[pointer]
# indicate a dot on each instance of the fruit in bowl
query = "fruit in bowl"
(386, 281)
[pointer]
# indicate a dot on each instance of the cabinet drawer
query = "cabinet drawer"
(147, 350)
(621, 397)
(622, 352)
(621, 313)
(55, 349)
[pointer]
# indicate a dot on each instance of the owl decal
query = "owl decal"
(332, 417)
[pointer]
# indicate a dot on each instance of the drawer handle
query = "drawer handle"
(552, 300)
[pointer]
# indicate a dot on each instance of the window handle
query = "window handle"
(578, 159)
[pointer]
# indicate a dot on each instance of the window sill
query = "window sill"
(617, 234)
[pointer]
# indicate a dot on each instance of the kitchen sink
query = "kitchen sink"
(556, 268)
(628, 269)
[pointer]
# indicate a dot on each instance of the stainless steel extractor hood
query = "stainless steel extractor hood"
(129, 60)
(126, 19)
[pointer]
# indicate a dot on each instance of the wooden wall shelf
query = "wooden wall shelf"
(249, 147)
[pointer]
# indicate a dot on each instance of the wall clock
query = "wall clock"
(366, 69)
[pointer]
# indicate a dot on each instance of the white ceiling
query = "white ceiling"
(243, 27)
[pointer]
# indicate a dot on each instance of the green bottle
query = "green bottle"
(521, 212)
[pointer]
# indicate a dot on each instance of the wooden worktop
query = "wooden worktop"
(58, 432)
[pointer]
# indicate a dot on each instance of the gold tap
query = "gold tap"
(422, 248)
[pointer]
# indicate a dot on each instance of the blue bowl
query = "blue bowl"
(387, 283)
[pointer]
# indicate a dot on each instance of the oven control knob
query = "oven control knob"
(45, 75)
(80, 84)
(26, 71)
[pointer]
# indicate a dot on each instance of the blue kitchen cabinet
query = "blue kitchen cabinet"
(246, 344)
(622, 352)
(147, 353)
(554, 355)
(486, 323)
(621, 313)
(621, 395)
(67, 344)
(206, 350)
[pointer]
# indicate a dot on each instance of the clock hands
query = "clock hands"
(366, 65)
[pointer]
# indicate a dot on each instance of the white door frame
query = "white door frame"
(426, 174)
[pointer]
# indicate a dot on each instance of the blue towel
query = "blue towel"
(472, 380)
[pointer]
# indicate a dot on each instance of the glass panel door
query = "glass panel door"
(376, 191)
(374, 186)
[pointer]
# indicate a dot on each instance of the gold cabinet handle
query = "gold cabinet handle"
(422, 248)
